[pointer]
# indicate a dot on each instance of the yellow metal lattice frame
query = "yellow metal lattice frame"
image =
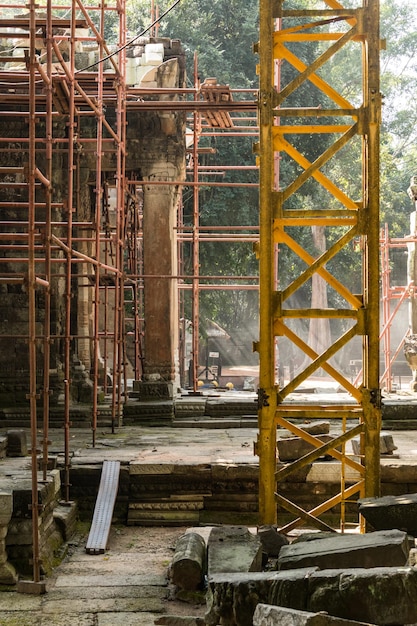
(284, 25)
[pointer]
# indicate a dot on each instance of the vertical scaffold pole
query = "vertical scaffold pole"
(372, 400)
(266, 445)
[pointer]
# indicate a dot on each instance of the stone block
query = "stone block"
(315, 427)
(190, 407)
(151, 413)
(293, 448)
(391, 512)
(154, 390)
(300, 475)
(388, 548)
(154, 54)
(330, 472)
(3, 447)
(6, 508)
(271, 540)
(383, 595)
(16, 443)
(398, 474)
(66, 516)
(8, 574)
(235, 472)
(220, 407)
(187, 568)
(268, 615)
(32, 587)
(386, 443)
(233, 549)
(232, 598)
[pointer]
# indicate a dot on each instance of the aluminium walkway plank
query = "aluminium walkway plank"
(103, 510)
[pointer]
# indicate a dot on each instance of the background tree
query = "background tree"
(222, 32)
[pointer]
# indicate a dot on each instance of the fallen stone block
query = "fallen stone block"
(267, 615)
(391, 512)
(232, 598)
(233, 549)
(314, 535)
(187, 569)
(271, 540)
(293, 448)
(387, 548)
(385, 595)
(386, 443)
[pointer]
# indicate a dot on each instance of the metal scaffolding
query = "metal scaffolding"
(305, 40)
(64, 98)
(395, 297)
(47, 246)
(60, 110)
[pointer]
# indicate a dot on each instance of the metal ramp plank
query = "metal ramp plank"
(103, 510)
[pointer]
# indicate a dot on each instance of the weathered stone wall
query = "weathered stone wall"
(14, 307)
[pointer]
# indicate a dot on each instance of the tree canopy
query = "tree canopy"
(221, 33)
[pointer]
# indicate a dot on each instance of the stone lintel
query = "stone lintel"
(379, 549)
(380, 595)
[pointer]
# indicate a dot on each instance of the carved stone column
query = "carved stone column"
(156, 147)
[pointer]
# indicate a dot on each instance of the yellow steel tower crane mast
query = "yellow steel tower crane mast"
(301, 43)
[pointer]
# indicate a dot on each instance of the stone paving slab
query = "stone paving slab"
(125, 619)
(136, 561)
(177, 445)
(104, 580)
(114, 566)
(100, 605)
(13, 601)
(69, 619)
(22, 618)
(131, 591)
